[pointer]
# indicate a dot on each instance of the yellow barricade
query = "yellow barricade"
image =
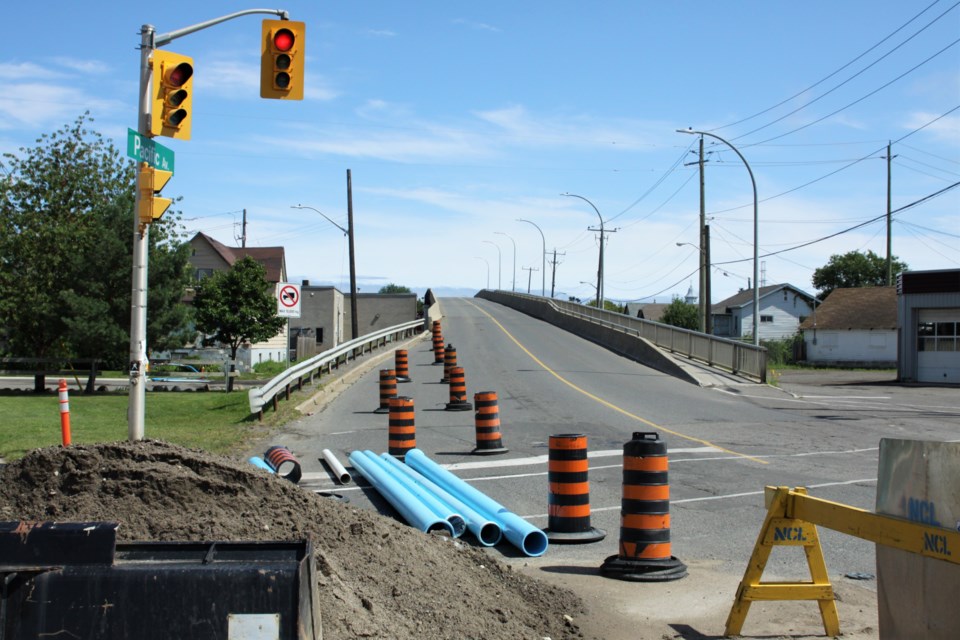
(792, 519)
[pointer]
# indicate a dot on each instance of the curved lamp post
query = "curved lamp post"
(513, 285)
(499, 260)
(543, 268)
(600, 264)
(354, 318)
(756, 263)
(488, 269)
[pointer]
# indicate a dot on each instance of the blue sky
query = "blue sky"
(457, 119)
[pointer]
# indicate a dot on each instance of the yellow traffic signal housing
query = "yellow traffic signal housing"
(150, 182)
(172, 95)
(281, 59)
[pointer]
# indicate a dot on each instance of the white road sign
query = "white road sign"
(288, 300)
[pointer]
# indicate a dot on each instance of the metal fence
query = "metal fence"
(294, 376)
(737, 357)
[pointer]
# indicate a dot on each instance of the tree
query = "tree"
(680, 313)
(66, 250)
(237, 306)
(394, 288)
(854, 269)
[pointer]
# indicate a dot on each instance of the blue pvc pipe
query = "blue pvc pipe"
(487, 532)
(387, 462)
(412, 509)
(260, 462)
(520, 533)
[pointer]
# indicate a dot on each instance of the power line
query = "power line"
(822, 80)
(857, 226)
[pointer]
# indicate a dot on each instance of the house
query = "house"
(646, 311)
(928, 314)
(782, 308)
(853, 327)
(208, 256)
(325, 316)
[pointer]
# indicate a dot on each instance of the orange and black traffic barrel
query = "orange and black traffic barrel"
(458, 391)
(402, 365)
(402, 430)
(449, 361)
(487, 423)
(437, 343)
(644, 515)
(568, 508)
(388, 389)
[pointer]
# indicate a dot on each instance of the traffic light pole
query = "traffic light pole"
(141, 233)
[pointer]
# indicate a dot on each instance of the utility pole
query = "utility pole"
(708, 279)
(243, 236)
(354, 320)
(553, 270)
(529, 271)
(889, 158)
(603, 233)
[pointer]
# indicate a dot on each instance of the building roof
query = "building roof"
(647, 311)
(745, 297)
(272, 258)
(856, 308)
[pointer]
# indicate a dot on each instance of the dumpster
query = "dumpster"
(74, 580)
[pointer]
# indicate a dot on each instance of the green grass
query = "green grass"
(214, 420)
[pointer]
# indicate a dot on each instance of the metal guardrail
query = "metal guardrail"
(737, 357)
(330, 359)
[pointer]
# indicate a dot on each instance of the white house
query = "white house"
(853, 326)
(782, 308)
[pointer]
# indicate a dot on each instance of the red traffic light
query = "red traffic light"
(178, 75)
(283, 40)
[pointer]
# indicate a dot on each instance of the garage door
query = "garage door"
(938, 345)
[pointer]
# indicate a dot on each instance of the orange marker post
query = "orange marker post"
(64, 413)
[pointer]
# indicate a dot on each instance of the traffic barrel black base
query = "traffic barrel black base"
(643, 570)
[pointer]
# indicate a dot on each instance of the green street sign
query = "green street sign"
(144, 149)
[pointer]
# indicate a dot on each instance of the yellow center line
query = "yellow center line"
(607, 404)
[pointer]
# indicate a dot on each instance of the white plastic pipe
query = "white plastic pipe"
(342, 475)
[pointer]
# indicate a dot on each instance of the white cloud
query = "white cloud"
(946, 129)
(25, 71)
(47, 104)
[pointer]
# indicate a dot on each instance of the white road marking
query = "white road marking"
(519, 462)
(729, 496)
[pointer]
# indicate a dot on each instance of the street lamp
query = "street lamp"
(354, 318)
(488, 269)
(543, 272)
(591, 285)
(600, 265)
(499, 260)
(756, 238)
(513, 286)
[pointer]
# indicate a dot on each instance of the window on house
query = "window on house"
(200, 274)
(766, 318)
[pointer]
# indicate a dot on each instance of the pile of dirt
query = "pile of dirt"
(377, 577)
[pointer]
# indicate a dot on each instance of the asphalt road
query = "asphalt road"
(724, 444)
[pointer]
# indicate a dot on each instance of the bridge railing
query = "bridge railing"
(294, 376)
(737, 357)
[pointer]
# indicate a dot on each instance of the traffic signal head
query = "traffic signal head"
(281, 59)
(172, 95)
(150, 182)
